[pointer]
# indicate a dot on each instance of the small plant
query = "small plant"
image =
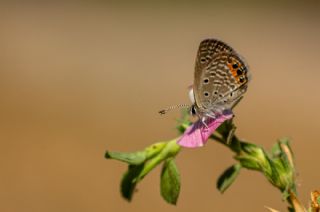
(221, 79)
(277, 165)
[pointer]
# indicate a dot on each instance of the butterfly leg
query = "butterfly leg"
(203, 120)
(211, 115)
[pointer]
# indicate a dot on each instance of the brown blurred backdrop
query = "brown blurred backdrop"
(77, 79)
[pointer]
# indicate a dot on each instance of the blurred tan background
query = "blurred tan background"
(77, 79)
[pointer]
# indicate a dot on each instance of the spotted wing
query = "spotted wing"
(207, 49)
(219, 84)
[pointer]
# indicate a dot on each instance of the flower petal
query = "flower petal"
(197, 134)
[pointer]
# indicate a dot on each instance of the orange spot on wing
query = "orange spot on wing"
(234, 72)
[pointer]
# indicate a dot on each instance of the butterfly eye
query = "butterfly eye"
(235, 66)
(193, 110)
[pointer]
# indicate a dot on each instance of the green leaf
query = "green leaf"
(170, 181)
(169, 151)
(231, 135)
(276, 150)
(225, 127)
(128, 182)
(251, 149)
(287, 152)
(132, 158)
(248, 163)
(228, 177)
(183, 122)
(154, 149)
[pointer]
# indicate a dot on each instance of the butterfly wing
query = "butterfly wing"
(207, 49)
(219, 84)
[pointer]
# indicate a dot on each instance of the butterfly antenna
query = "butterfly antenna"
(164, 111)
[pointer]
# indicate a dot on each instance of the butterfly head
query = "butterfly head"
(193, 111)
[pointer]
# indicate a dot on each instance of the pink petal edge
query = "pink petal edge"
(197, 134)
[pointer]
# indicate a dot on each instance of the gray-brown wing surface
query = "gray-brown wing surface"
(221, 82)
(207, 49)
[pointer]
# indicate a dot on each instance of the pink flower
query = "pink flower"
(197, 134)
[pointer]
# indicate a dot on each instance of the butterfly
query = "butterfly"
(221, 78)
